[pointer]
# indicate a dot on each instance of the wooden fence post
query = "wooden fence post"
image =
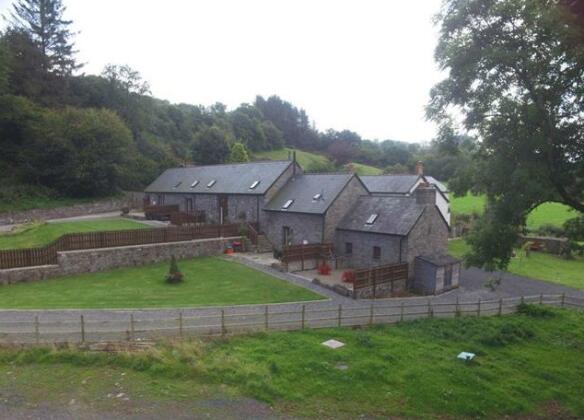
(401, 312)
(541, 298)
(371, 314)
(479, 308)
(340, 314)
(563, 299)
(223, 329)
(132, 326)
(37, 333)
(82, 329)
(266, 320)
(180, 324)
(522, 300)
(457, 310)
(303, 315)
(500, 306)
(429, 309)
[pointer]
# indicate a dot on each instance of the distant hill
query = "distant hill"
(313, 162)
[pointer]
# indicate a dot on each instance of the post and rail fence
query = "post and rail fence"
(223, 321)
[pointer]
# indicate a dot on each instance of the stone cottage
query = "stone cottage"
(309, 208)
(229, 193)
(381, 230)
(371, 221)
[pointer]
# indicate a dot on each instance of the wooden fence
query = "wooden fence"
(222, 321)
(47, 255)
(376, 276)
(307, 252)
(180, 218)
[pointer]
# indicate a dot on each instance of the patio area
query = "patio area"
(335, 278)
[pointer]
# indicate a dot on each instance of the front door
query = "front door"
(286, 236)
(223, 208)
(189, 207)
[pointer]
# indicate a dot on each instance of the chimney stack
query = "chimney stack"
(425, 195)
(419, 168)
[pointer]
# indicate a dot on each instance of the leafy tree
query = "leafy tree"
(274, 137)
(515, 73)
(245, 121)
(4, 67)
(341, 152)
(211, 146)
(43, 21)
(238, 153)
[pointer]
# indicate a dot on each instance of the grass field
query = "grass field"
(363, 169)
(41, 234)
(548, 213)
(208, 282)
(527, 366)
(305, 159)
(538, 265)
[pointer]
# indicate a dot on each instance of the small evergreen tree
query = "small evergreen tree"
(174, 275)
(238, 153)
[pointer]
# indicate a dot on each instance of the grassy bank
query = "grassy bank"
(208, 282)
(41, 234)
(538, 265)
(527, 365)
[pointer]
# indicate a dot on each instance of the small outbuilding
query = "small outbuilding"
(436, 274)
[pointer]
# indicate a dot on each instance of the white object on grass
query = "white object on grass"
(333, 344)
(466, 356)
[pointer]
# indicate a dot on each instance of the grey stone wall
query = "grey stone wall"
(363, 244)
(428, 237)
(305, 227)
(341, 206)
(128, 199)
(89, 261)
(238, 204)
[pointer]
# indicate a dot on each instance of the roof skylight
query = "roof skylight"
(178, 184)
(210, 184)
(317, 197)
(254, 184)
(287, 204)
(372, 219)
(195, 183)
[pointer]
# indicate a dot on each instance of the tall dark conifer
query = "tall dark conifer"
(43, 21)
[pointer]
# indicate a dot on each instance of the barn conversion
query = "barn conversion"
(371, 220)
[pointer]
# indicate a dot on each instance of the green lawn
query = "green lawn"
(538, 265)
(548, 213)
(42, 234)
(208, 282)
(526, 366)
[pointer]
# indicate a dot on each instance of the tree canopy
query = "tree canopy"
(515, 71)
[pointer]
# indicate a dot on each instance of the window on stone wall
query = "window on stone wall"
(376, 252)
(348, 248)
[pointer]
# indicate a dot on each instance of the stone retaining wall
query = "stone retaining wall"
(88, 261)
(129, 199)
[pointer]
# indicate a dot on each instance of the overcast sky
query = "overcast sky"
(362, 65)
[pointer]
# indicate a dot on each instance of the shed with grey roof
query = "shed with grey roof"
(436, 274)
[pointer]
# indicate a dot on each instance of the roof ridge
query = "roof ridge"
(231, 164)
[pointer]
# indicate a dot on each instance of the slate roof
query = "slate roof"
(433, 181)
(302, 190)
(396, 215)
(230, 178)
(390, 184)
(439, 260)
